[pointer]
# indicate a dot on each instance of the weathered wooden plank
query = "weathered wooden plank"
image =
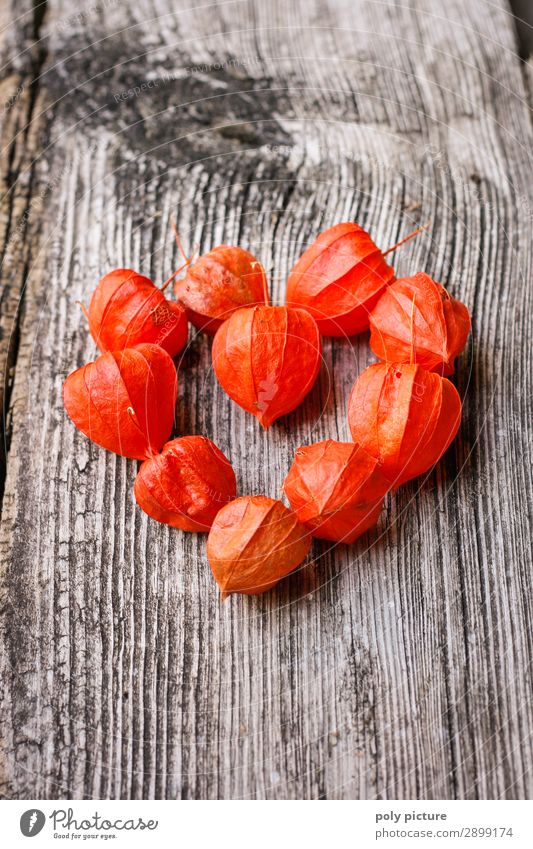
(395, 668)
(21, 137)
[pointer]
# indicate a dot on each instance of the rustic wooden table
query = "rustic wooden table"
(395, 668)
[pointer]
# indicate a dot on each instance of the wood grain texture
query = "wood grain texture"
(22, 127)
(399, 667)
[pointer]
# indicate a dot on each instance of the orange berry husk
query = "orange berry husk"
(186, 485)
(267, 359)
(218, 283)
(404, 416)
(127, 309)
(416, 320)
(253, 543)
(125, 400)
(339, 279)
(336, 489)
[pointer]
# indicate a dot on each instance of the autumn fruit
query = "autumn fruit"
(253, 543)
(403, 413)
(416, 320)
(127, 309)
(267, 359)
(340, 278)
(125, 400)
(404, 416)
(218, 283)
(336, 489)
(186, 485)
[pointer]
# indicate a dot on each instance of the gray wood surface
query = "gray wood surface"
(399, 667)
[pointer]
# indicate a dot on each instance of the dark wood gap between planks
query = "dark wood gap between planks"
(523, 21)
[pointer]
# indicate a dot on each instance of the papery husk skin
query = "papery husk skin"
(416, 320)
(125, 400)
(127, 309)
(336, 489)
(339, 279)
(218, 283)
(187, 484)
(404, 416)
(267, 359)
(253, 543)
